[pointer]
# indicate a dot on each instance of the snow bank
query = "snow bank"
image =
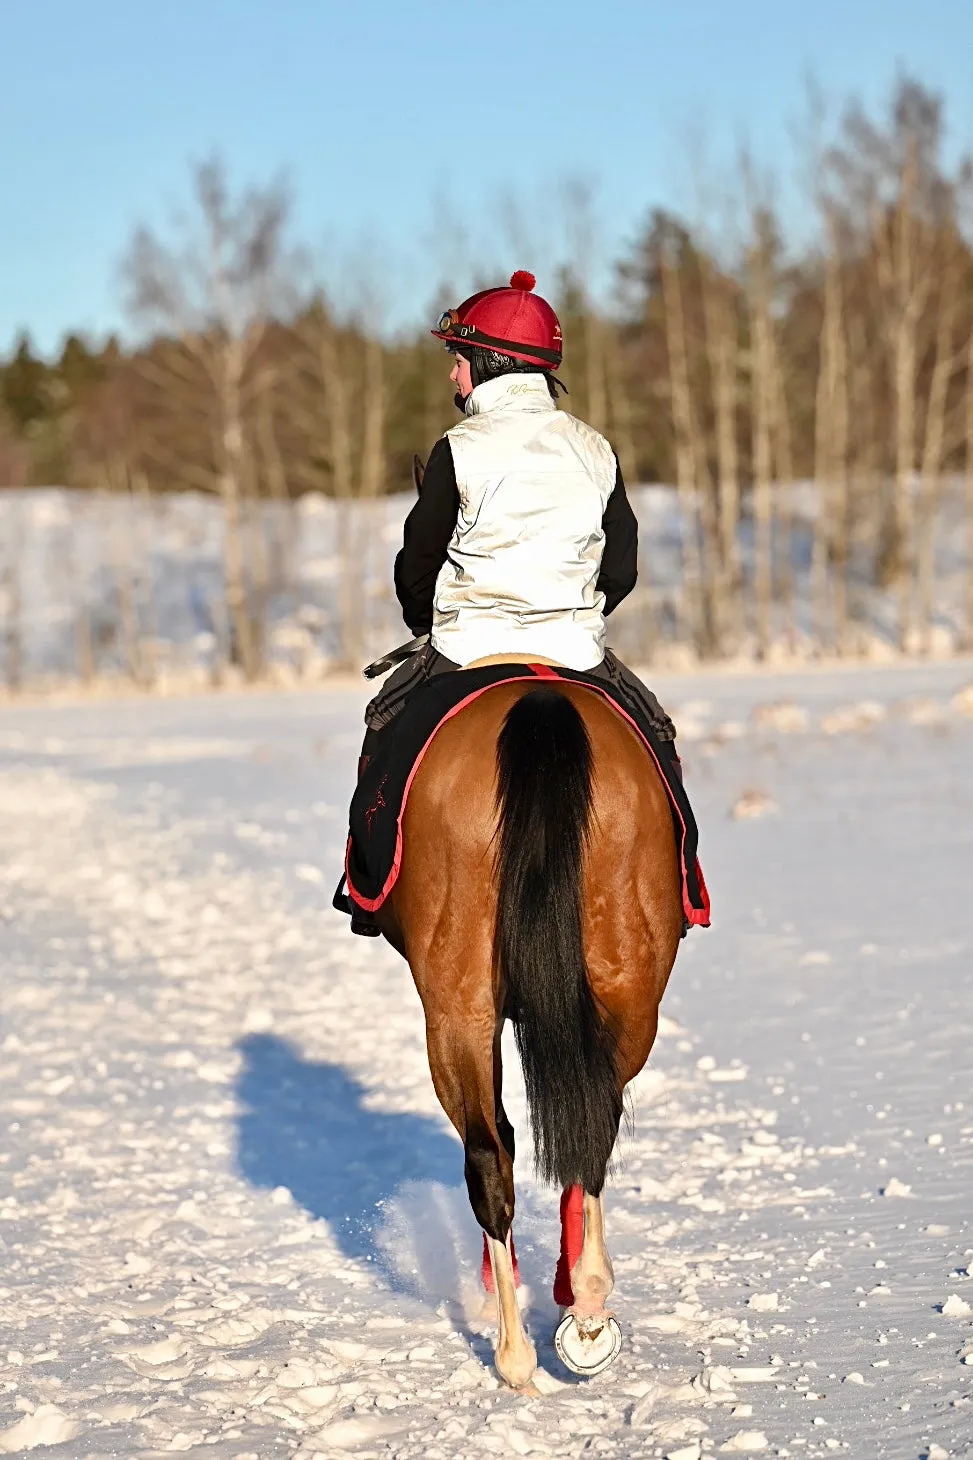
(84, 575)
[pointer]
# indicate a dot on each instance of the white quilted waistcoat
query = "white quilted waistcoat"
(522, 566)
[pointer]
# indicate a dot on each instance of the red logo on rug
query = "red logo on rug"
(377, 805)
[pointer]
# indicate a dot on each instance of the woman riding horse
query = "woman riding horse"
(539, 878)
(522, 540)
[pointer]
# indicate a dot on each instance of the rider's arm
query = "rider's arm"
(428, 530)
(620, 559)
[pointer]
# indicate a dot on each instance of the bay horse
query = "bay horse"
(539, 883)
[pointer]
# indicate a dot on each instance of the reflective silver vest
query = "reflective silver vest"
(523, 563)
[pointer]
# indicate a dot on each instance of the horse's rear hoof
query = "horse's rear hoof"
(517, 1366)
(588, 1343)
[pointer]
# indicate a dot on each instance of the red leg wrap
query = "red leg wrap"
(572, 1240)
(486, 1266)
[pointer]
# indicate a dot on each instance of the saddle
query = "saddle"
(373, 856)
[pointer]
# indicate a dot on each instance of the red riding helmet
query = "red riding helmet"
(511, 320)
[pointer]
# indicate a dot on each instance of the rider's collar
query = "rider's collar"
(517, 391)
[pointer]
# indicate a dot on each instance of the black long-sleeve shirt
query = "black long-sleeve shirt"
(430, 525)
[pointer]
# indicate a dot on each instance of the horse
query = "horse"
(540, 884)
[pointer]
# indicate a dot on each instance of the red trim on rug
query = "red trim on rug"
(704, 894)
(695, 916)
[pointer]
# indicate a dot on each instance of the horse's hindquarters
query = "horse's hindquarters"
(445, 900)
(633, 915)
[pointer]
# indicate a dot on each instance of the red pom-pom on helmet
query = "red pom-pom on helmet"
(522, 279)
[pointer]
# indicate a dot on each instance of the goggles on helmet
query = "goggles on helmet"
(449, 324)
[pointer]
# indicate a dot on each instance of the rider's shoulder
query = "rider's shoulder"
(597, 444)
(466, 431)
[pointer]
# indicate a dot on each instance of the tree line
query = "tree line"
(743, 350)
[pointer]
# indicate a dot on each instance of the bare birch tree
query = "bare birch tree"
(272, 470)
(105, 440)
(944, 366)
(722, 344)
(372, 475)
(215, 288)
(583, 251)
(967, 631)
(14, 464)
(337, 396)
(904, 282)
(762, 426)
(620, 399)
(829, 553)
(682, 415)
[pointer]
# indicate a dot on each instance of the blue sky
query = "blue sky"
(400, 125)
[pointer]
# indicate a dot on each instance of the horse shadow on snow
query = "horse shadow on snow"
(388, 1184)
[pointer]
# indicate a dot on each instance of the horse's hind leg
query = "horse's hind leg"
(587, 1338)
(584, 1272)
(464, 1079)
(516, 1358)
(592, 1277)
(506, 1133)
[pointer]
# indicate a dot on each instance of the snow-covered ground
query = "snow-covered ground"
(232, 1218)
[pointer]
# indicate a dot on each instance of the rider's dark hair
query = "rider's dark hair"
(488, 364)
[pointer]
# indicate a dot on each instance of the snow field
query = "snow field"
(232, 1218)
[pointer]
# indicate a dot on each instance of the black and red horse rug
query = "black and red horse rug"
(374, 851)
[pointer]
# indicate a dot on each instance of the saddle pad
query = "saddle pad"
(374, 851)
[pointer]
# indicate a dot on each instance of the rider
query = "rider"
(522, 540)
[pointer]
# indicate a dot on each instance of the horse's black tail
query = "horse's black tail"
(544, 766)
